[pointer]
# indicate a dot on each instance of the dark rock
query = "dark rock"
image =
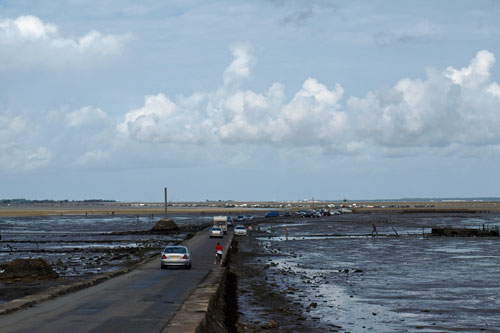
(271, 325)
(29, 270)
(165, 226)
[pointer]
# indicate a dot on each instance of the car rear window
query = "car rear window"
(175, 250)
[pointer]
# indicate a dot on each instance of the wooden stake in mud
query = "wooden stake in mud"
(166, 204)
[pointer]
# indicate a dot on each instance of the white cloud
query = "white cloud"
(35, 159)
(455, 109)
(26, 28)
(494, 89)
(312, 116)
(232, 115)
(19, 149)
(161, 120)
(28, 41)
(96, 155)
(452, 107)
(240, 67)
(22, 157)
(11, 126)
(84, 116)
(242, 116)
(476, 73)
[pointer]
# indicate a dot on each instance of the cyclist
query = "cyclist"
(218, 253)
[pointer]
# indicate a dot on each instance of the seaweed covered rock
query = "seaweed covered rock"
(29, 270)
(165, 225)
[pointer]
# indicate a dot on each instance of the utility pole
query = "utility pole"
(166, 204)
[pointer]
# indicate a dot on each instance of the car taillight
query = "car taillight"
(164, 257)
(185, 257)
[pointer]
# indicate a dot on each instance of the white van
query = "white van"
(221, 222)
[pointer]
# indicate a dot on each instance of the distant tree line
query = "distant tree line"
(26, 201)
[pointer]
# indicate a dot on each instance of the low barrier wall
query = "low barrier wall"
(205, 309)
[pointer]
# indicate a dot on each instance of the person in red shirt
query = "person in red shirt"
(218, 253)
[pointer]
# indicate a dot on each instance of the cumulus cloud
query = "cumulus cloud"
(17, 150)
(38, 140)
(85, 116)
(240, 67)
(12, 126)
(456, 106)
(23, 158)
(162, 120)
(28, 41)
(96, 155)
(451, 108)
(233, 115)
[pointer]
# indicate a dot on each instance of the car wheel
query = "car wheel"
(188, 267)
(163, 267)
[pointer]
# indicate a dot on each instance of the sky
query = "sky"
(249, 100)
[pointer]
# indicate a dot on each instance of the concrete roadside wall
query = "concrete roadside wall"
(205, 309)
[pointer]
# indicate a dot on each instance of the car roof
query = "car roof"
(240, 226)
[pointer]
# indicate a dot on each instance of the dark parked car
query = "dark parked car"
(273, 213)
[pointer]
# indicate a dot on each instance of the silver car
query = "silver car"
(177, 255)
(216, 232)
(240, 230)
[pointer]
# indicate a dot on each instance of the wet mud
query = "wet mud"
(342, 274)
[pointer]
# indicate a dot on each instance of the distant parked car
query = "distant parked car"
(287, 214)
(273, 213)
(300, 213)
(240, 218)
(216, 232)
(175, 256)
(249, 217)
(240, 230)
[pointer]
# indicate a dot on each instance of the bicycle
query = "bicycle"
(218, 257)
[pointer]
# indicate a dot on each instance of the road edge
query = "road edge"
(192, 315)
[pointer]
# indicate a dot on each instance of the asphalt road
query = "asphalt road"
(143, 300)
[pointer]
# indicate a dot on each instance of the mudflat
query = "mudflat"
(335, 274)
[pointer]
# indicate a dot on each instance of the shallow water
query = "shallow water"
(388, 283)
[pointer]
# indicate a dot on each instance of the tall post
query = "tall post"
(166, 204)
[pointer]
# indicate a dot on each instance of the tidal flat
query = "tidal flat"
(330, 274)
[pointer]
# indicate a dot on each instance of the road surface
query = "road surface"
(143, 300)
